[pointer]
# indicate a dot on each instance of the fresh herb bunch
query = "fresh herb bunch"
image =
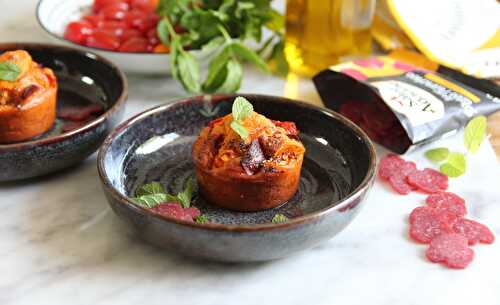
(455, 163)
(224, 26)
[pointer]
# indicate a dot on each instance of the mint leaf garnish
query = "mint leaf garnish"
(455, 166)
(239, 129)
(150, 201)
(9, 71)
(184, 197)
(474, 133)
(438, 154)
(202, 219)
(242, 109)
(149, 189)
(279, 218)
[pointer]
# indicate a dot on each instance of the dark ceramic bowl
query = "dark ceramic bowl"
(83, 79)
(338, 171)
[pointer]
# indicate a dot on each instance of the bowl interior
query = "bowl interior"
(156, 146)
(83, 79)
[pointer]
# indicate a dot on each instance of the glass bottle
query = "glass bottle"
(320, 33)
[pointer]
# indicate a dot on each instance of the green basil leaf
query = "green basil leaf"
(455, 166)
(242, 109)
(162, 31)
(232, 81)
(202, 219)
(150, 201)
(9, 71)
(474, 133)
(279, 218)
(239, 129)
(217, 64)
(150, 189)
(189, 72)
(212, 44)
(246, 54)
(437, 154)
(175, 49)
(186, 195)
(277, 22)
(277, 60)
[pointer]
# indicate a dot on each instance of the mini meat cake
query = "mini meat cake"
(27, 98)
(253, 169)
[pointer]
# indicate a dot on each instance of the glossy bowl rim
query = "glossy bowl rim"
(92, 49)
(365, 184)
(117, 103)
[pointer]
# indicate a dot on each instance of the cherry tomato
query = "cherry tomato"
(103, 40)
(94, 19)
(143, 5)
(115, 11)
(129, 33)
(99, 4)
(117, 28)
(135, 44)
(140, 20)
(161, 49)
(78, 31)
(153, 37)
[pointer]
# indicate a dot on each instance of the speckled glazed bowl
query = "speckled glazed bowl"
(83, 78)
(338, 171)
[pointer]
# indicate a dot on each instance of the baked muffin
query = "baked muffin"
(27, 98)
(248, 162)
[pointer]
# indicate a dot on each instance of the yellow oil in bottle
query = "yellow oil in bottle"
(320, 33)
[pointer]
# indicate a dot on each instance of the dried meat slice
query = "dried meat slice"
(474, 231)
(399, 184)
(426, 224)
(448, 202)
(428, 180)
(389, 165)
(451, 250)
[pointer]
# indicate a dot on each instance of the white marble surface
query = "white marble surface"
(61, 244)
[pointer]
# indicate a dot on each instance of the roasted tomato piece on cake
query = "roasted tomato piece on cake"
(247, 162)
(27, 97)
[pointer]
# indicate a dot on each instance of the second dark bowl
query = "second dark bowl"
(82, 78)
(338, 171)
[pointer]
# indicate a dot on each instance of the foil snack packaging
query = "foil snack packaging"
(402, 106)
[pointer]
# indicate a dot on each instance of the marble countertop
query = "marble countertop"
(61, 244)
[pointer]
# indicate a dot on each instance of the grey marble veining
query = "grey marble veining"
(61, 244)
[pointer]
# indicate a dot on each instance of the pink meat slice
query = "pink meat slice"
(448, 202)
(426, 224)
(474, 231)
(428, 180)
(451, 250)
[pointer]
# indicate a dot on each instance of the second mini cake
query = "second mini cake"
(247, 162)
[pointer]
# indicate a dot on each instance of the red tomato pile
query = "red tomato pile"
(441, 223)
(118, 25)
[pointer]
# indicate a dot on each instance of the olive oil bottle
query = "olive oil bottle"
(320, 33)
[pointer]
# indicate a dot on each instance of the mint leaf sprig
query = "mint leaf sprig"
(220, 26)
(242, 109)
(152, 194)
(279, 218)
(454, 164)
(9, 71)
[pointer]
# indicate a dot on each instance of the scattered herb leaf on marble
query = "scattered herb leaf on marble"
(438, 154)
(455, 166)
(474, 133)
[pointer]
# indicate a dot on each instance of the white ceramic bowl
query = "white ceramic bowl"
(54, 15)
